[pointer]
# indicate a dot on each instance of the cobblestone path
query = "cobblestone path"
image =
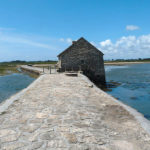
(66, 113)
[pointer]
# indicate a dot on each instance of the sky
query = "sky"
(41, 29)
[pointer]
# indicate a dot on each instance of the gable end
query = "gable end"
(76, 42)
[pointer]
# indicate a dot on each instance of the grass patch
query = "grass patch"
(11, 67)
(7, 69)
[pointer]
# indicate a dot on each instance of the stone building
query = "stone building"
(82, 55)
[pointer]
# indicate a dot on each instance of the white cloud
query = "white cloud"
(105, 43)
(132, 27)
(68, 40)
(7, 37)
(93, 43)
(15, 46)
(24, 41)
(126, 47)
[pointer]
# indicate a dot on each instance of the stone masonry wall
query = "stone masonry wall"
(84, 56)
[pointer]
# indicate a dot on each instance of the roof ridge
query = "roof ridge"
(81, 38)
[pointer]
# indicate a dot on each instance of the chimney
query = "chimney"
(73, 42)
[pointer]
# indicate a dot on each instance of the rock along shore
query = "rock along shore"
(64, 112)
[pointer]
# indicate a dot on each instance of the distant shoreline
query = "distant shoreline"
(125, 63)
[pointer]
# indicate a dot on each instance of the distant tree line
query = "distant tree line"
(129, 60)
(20, 62)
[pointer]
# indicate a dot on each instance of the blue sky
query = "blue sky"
(41, 29)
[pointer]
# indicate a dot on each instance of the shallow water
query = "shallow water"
(135, 85)
(13, 83)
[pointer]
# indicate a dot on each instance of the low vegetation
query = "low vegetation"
(11, 67)
(128, 60)
(6, 69)
(18, 62)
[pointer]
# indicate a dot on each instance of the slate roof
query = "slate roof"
(81, 39)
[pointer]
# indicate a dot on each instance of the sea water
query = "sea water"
(134, 85)
(13, 83)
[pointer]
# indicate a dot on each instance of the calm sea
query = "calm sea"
(13, 83)
(134, 88)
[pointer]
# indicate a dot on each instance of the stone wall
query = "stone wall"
(83, 56)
